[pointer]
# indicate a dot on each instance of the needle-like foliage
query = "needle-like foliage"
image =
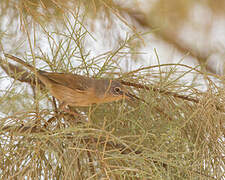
(175, 130)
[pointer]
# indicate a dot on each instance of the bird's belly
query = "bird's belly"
(71, 97)
(80, 103)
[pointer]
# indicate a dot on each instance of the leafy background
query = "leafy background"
(175, 49)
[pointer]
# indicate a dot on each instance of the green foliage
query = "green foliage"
(165, 137)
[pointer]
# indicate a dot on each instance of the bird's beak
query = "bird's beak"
(130, 96)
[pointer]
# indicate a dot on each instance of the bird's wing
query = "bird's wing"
(73, 81)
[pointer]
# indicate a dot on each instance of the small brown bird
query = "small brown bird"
(77, 90)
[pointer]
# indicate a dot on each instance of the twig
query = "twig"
(137, 85)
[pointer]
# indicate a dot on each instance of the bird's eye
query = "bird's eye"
(117, 90)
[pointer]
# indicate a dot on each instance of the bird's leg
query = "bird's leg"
(63, 108)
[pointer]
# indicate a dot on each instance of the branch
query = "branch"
(137, 85)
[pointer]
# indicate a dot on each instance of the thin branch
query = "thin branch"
(137, 85)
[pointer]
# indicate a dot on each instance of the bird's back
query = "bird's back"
(72, 81)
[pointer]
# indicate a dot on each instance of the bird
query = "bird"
(78, 90)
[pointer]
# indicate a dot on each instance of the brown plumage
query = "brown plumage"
(77, 90)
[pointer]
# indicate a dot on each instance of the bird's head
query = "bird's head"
(113, 90)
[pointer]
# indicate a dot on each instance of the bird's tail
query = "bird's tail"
(32, 68)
